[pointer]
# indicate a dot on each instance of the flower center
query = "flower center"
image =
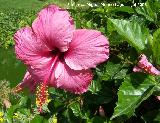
(55, 51)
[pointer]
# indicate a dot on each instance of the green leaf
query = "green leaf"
(97, 119)
(156, 46)
(111, 71)
(132, 32)
(95, 86)
(121, 74)
(157, 89)
(152, 116)
(147, 12)
(56, 92)
(24, 111)
(10, 113)
(127, 9)
(154, 5)
(39, 119)
(140, 20)
(136, 88)
(23, 101)
(115, 38)
(75, 107)
(157, 118)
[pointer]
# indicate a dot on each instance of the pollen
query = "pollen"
(41, 96)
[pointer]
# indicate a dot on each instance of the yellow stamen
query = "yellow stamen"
(41, 96)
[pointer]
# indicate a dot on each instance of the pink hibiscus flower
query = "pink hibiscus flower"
(145, 66)
(57, 54)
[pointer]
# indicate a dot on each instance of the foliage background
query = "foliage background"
(116, 94)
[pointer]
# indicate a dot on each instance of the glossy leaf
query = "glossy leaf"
(156, 46)
(135, 89)
(134, 34)
(39, 119)
(111, 71)
(75, 107)
(127, 9)
(95, 86)
(147, 12)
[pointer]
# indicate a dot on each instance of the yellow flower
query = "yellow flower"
(15, 115)
(1, 119)
(54, 120)
(1, 114)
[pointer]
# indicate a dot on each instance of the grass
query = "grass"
(28, 4)
(34, 4)
(18, 4)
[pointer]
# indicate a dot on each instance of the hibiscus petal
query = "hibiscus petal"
(40, 68)
(28, 47)
(27, 82)
(87, 49)
(55, 27)
(71, 80)
(145, 66)
(34, 53)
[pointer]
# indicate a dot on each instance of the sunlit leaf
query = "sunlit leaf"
(10, 113)
(127, 9)
(135, 89)
(156, 46)
(39, 119)
(75, 107)
(134, 34)
(95, 86)
(147, 12)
